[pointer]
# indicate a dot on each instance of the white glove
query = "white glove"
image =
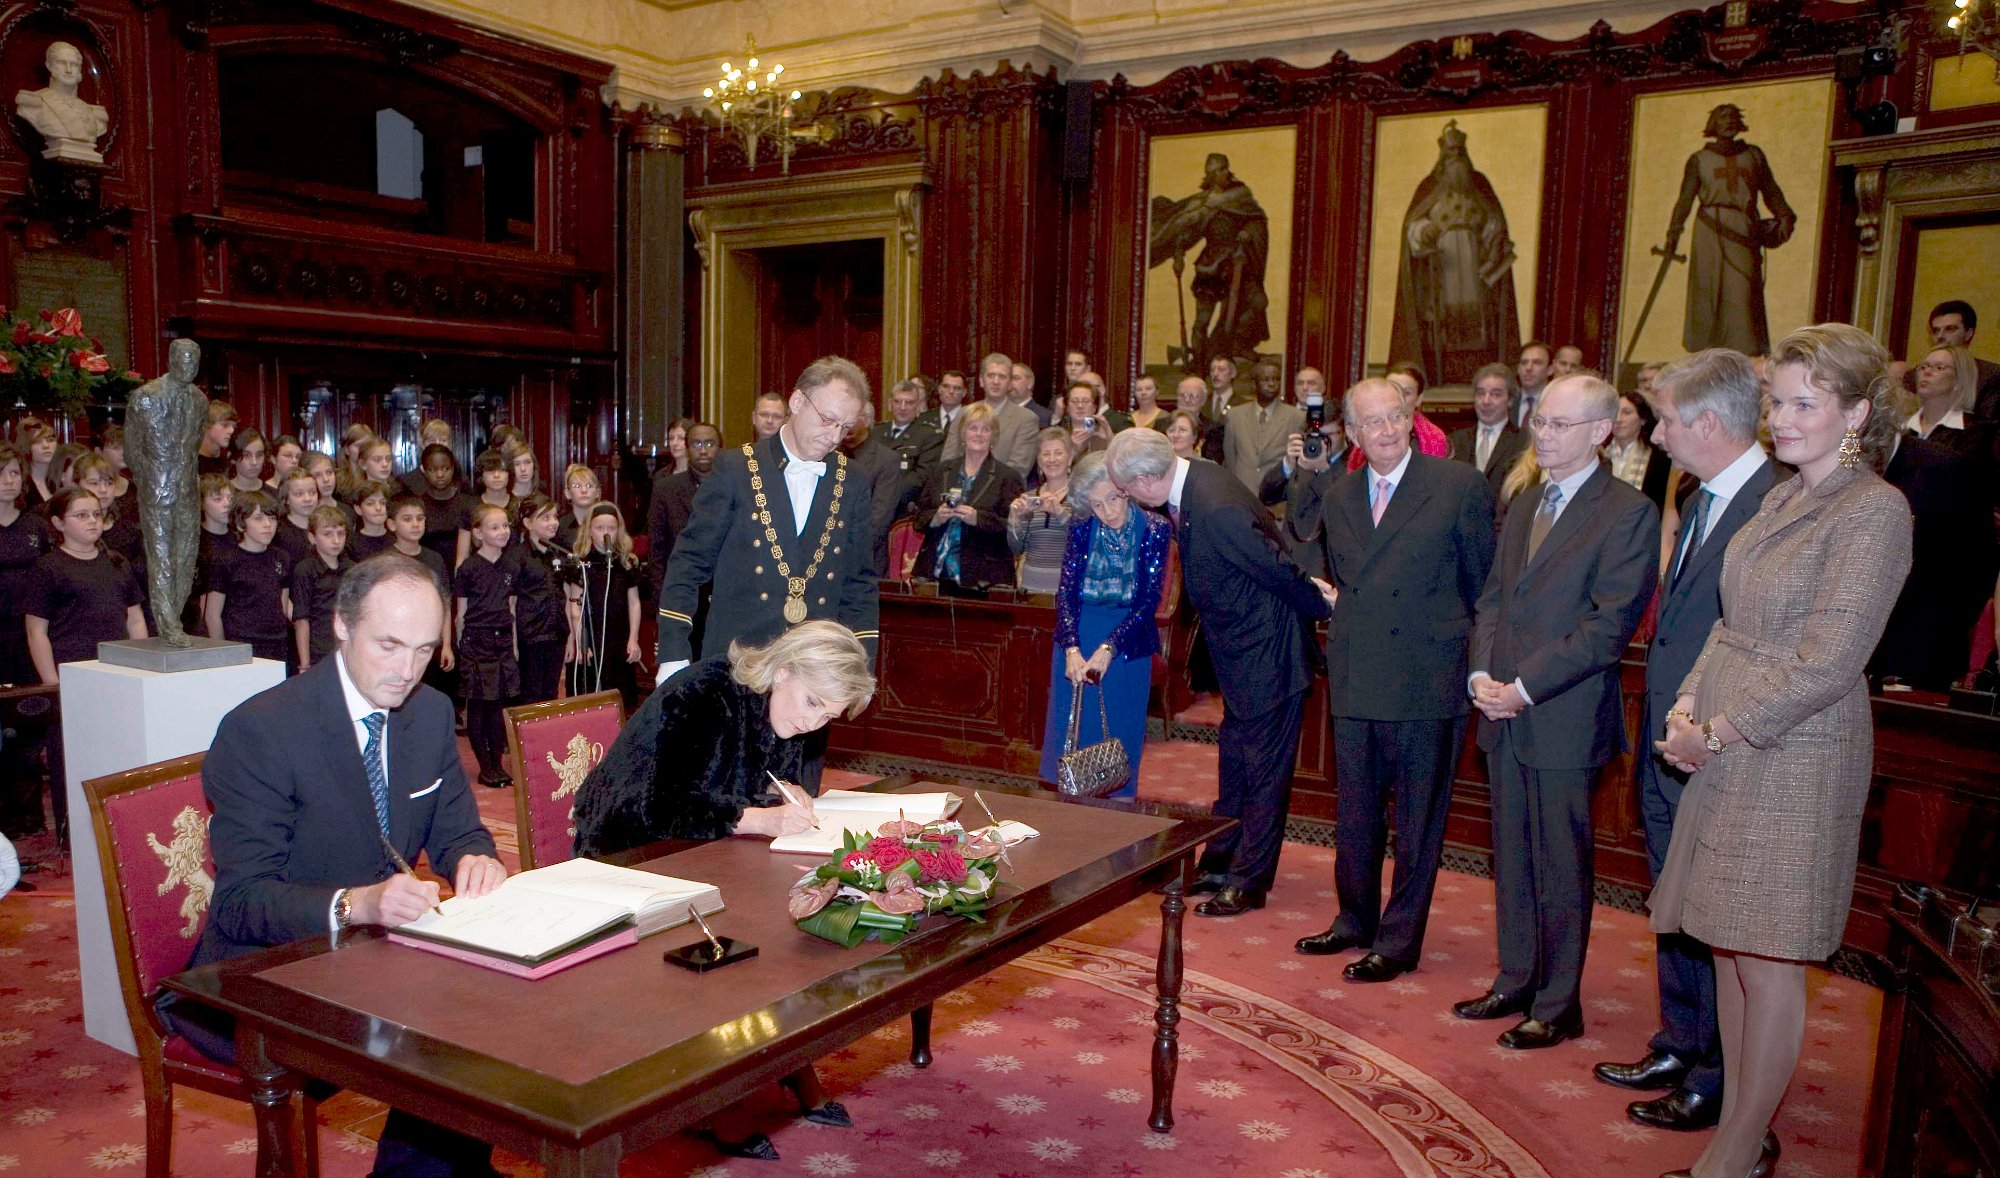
(668, 670)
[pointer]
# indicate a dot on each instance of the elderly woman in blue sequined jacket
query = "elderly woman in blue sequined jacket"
(1112, 572)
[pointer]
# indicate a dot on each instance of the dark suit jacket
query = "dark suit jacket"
(984, 557)
(918, 450)
(1507, 448)
(1691, 606)
(294, 821)
(1953, 557)
(668, 513)
(1395, 649)
(1560, 623)
(1255, 604)
(724, 545)
(877, 465)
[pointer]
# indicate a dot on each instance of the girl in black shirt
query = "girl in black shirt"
(540, 616)
(604, 609)
(78, 595)
(447, 510)
(37, 439)
(485, 588)
(23, 540)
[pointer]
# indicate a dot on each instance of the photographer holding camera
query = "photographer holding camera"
(1314, 457)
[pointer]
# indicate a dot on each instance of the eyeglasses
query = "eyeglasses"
(1377, 424)
(829, 422)
(1541, 424)
(1937, 367)
(704, 444)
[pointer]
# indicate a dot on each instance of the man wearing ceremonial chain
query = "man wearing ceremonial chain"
(780, 530)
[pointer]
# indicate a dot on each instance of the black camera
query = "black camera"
(1313, 444)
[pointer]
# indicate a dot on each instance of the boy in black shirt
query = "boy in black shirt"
(249, 596)
(316, 582)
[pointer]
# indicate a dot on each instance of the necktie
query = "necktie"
(1486, 436)
(1545, 518)
(378, 776)
(1527, 411)
(1696, 525)
(1174, 513)
(1382, 489)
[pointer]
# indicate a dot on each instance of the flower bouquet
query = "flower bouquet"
(51, 366)
(881, 886)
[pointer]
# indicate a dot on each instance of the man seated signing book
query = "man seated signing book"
(313, 783)
(732, 724)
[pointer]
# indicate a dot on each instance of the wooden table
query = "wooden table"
(582, 1067)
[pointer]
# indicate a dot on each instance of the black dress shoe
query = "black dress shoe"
(1660, 1070)
(1326, 943)
(1766, 1160)
(1532, 1033)
(831, 1113)
(1376, 968)
(1231, 902)
(1490, 1005)
(1770, 1148)
(1207, 884)
(1680, 1109)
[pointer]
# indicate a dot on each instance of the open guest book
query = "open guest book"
(840, 810)
(543, 920)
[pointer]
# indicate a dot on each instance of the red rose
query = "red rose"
(67, 322)
(945, 865)
(888, 854)
(852, 860)
(22, 332)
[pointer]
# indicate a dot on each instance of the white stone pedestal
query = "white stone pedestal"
(119, 718)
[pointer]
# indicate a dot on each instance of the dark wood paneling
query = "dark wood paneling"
(964, 685)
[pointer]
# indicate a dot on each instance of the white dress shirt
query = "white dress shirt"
(1175, 488)
(1489, 437)
(801, 484)
(358, 711)
(1952, 420)
(1724, 487)
(1394, 477)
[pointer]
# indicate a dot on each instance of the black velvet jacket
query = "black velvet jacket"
(686, 765)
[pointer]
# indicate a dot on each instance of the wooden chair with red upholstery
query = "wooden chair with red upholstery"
(554, 746)
(906, 539)
(1177, 631)
(152, 841)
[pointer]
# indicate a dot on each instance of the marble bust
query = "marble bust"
(69, 125)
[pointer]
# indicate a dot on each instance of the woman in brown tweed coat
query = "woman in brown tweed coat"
(1775, 717)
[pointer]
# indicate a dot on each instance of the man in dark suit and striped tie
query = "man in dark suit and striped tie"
(1576, 565)
(1709, 406)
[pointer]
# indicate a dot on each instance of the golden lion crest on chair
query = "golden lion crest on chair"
(582, 755)
(183, 858)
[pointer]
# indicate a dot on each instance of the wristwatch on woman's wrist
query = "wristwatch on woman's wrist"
(1709, 737)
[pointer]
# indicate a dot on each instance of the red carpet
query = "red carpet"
(1042, 1067)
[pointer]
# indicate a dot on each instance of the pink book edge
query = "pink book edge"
(531, 972)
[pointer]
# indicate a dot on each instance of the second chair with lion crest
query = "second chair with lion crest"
(554, 746)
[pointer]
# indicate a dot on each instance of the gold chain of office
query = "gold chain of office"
(795, 587)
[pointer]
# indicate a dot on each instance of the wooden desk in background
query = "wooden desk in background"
(580, 1068)
(964, 683)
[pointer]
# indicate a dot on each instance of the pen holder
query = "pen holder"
(701, 956)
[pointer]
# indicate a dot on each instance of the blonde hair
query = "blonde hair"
(1845, 363)
(1964, 375)
(1525, 473)
(621, 543)
(825, 656)
(578, 468)
(977, 411)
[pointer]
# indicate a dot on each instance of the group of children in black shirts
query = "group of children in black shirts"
(534, 588)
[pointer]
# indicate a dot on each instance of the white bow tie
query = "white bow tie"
(816, 469)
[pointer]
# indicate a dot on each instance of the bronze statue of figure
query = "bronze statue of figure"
(1224, 218)
(164, 421)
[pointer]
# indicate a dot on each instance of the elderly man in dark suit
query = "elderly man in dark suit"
(1709, 405)
(317, 785)
(780, 530)
(1255, 607)
(1492, 442)
(1409, 542)
(1570, 582)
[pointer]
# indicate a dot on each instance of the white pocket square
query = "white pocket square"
(433, 788)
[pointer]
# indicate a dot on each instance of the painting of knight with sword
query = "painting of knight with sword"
(1230, 303)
